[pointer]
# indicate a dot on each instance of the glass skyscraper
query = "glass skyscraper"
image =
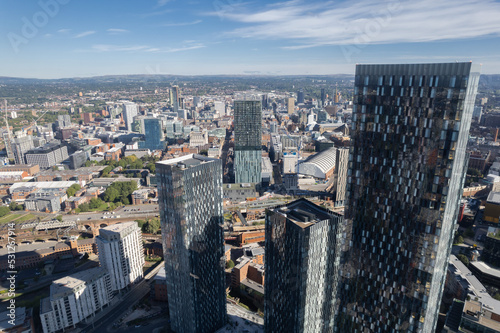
(153, 136)
(406, 166)
(190, 199)
(247, 141)
(302, 264)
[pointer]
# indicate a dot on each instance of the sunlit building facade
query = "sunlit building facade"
(406, 171)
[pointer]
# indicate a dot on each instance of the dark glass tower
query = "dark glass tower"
(190, 198)
(247, 141)
(153, 136)
(410, 130)
(302, 258)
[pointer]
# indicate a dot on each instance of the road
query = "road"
(132, 212)
(121, 304)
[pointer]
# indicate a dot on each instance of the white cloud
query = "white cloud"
(63, 31)
(118, 48)
(140, 48)
(85, 33)
(311, 24)
(181, 24)
(115, 31)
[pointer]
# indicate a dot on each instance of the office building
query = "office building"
(300, 97)
(290, 105)
(406, 172)
(175, 98)
(290, 162)
(130, 110)
(64, 120)
(301, 265)
(121, 253)
(48, 155)
(190, 199)
(20, 146)
(153, 134)
(75, 298)
(247, 141)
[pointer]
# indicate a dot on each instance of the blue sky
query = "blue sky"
(69, 38)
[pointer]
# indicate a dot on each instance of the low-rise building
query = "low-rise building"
(22, 323)
(75, 298)
(30, 169)
(492, 208)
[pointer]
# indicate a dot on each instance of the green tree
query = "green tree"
(111, 194)
(70, 192)
(152, 226)
(95, 203)
(230, 264)
(84, 207)
(151, 167)
(59, 218)
(4, 211)
(463, 259)
(458, 240)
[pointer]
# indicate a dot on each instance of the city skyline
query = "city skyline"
(47, 39)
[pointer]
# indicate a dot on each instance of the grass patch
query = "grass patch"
(27, 217)
(9, 218)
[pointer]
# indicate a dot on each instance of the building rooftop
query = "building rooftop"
(474, 286)
(485, 268)
(64, 184)
(162, 274)
(494, 197)
(187, 161)
(304, 213)
(253, 285)
(65, 286)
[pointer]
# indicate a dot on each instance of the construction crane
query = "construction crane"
(34, 122)
(9, 134)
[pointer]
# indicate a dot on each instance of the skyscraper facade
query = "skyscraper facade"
(129, 112)
(410, 130)
(153, 134)
(300, 96)
(302, 262)
(247, 141)
(121, 253)
(175, 98)
(338, 181)
(190, 198)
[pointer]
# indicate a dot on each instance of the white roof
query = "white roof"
(319, 164)
(475, 287)
(64, 184)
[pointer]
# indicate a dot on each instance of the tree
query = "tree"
(463, 259)
(111, 194)
(84, 207)
(70, 192)
(151, 167)
(230, 264)
(15, 206)
(59, 218)
(4, 211)
(152, 226)
(458, 240)
(95, 203)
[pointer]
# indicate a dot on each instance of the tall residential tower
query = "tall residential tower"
(121, 253)
(302, 263)
(406, 171)
(190, 198)
(247, 141)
